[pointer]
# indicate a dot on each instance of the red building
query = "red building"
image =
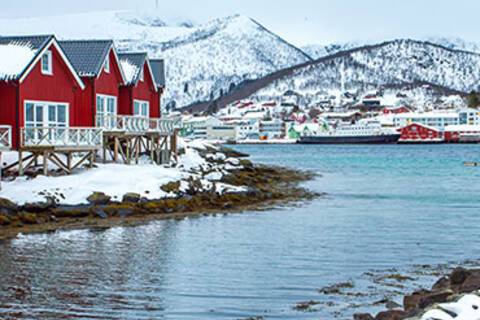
(38, 85)
(462, 134)
(140, 96)
(396, 110)
(417, 133)
(97, 63)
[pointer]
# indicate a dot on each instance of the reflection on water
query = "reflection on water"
(389, 210)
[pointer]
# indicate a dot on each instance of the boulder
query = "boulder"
(459, 275)
(39, 207)
(98, 198)
(442, 284)
(392, 315)
(131, 197)
(424, 298)
(471, 283)
(7, 207)
(363, 316)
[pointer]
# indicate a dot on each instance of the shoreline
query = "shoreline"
(268, 186)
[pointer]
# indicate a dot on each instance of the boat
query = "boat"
(363, 132)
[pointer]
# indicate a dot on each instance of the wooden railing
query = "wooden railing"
(136, 124)
(61, 137)
(5, 137)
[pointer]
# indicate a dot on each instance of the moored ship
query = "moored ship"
(364, 132)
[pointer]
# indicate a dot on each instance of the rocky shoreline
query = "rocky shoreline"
(447, 289)
(265, 186)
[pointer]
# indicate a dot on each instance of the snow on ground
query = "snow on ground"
(14, 58)
(467, 308)
(116, 180)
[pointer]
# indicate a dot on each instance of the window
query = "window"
(106, 108)
(47, 63)
(141, 108)
(106, 66)
(46, 114)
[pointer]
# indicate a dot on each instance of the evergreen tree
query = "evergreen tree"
(473, 100)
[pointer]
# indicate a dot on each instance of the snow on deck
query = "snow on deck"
(14, 58)
(116, 180)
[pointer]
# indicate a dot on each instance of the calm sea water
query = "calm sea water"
(390, 209)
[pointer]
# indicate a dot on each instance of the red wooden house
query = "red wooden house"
(417, 133)
(462, 134)
(396, 110)
(38, 86)
(140, 96)
(97, 63)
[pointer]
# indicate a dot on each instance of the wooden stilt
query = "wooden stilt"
(20, 163)
(45, 163)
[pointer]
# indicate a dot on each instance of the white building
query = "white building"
(273, 129)
(439, 119)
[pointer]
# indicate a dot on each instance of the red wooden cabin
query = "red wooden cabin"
(417, 133)
(140, 96)
(97, 63)
(38, 85)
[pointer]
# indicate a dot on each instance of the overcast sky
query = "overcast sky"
(299, 21)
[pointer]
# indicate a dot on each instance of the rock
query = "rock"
(39, 207)
(28, 218)
(363, 316)
(392, 315)
(4, 220)
(98, 198)
(100, 213)
(471, 283)
(7, 207)
(458, 276)
(442, 284)
(424, 298)
(171, 187)
(305, 306)
(392, 305)
(131, 197)
(123, 213)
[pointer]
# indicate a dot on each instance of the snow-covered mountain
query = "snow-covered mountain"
(396, 63)
(202, 61)
(317, 51)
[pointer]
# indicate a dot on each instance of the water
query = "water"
(388, 210)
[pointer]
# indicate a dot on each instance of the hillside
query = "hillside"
(395, 63)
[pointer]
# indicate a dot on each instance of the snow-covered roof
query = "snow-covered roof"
(129, 70)
(427, 115)
(14, 59)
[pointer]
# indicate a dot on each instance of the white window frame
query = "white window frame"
(45, 119)
(49, 70)
(142, 103)
(106, 65)
(105, 98)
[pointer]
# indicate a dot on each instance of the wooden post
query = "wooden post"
(105, 141)
(45, 163)
(137, 149)
(115, 149)
(20, 162)
(1, 169)
(173, 144)
(69, 161)
(127, 155)
(92, 159)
